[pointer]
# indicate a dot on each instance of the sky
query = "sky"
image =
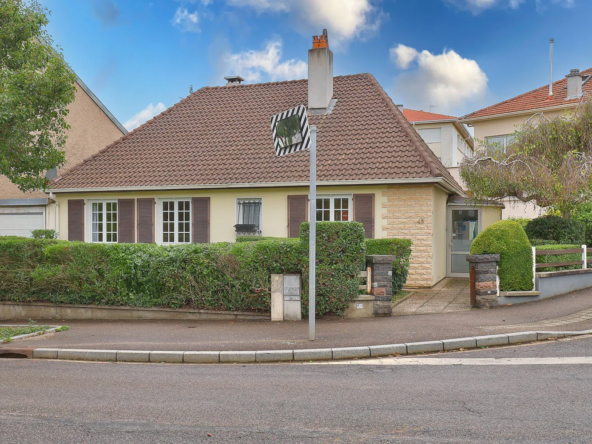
(448, 56)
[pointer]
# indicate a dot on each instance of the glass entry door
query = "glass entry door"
(463, 226)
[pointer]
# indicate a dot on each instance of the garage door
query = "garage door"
(20, 224)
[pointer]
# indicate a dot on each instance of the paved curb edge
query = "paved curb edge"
(213, 357)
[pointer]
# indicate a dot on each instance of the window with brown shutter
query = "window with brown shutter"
(146, 221)
(297, 213)
(76, 219)
(201, 220)
(126, 220)
(364, 212)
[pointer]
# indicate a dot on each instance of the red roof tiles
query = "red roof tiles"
(221, 135)
(424, 116)
(536, 99)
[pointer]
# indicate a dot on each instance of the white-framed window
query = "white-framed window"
(500, 142)
(249, 214)
(175, 221)
(334, 208)
(103, 216)
(431, 135)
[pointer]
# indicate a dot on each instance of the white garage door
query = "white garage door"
(20, 224)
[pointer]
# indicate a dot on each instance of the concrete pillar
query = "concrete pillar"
(484, 284)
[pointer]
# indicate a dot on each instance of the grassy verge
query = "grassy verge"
(8, 332)
(400, 295)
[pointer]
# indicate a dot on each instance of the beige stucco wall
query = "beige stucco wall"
(90, 131)
(439, 224)
(401, 211)
(490, 215)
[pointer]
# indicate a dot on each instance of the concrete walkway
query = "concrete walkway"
(449, 295)
(571, 312)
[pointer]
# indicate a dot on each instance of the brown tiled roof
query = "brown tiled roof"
(221, 135)
(423, 116)
(536, 99)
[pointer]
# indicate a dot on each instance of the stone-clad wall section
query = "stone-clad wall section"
(408, 213)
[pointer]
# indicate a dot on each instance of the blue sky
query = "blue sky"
(140, 57)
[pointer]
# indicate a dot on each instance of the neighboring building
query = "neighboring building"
(92, 127)
(445, 135)
(496, 124)
(206, 170)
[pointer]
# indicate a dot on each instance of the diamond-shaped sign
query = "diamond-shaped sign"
(290, 131)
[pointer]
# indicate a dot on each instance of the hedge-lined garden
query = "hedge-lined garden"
(222, 276)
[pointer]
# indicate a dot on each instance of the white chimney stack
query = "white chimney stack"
(320, 73)
(574, 84)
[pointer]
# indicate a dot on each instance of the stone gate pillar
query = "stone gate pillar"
(381, 278)
(483, 273)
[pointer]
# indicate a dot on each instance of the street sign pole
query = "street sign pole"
(312, 256)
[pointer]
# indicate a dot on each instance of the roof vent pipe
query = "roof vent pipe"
(551, 63)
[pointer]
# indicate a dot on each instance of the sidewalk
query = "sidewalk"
(565, 313)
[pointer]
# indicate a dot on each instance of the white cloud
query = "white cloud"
(403, 55)
(446, 80)
(478, 6)
(255, 66)
(344, 19)
(186, 21)
(146, 114)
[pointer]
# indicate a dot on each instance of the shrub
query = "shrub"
(537, 242)
(508, 239)
(259, 238)
(44, 234)
(340, 255)
(558, 229)
(523, 221)
(401, 248)
(223, 276)
(558, 258)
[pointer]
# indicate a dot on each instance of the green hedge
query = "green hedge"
(340, 254)
(555, 228)
(508, 239)
(401, 248)
(223, 276)
(261, 238)
(558, 258)
(44, 234)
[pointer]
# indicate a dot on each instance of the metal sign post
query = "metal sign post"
(312, 245)
(291, 134)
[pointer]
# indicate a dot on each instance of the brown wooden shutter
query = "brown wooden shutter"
(201, 220)
(364, 212)
(146, 221)
(76, 219)
(297, 213)
(125, 220)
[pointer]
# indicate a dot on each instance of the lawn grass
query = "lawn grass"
(400, 295)
(9, 332)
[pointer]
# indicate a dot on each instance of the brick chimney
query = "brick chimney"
(574, 84)
(320, 73)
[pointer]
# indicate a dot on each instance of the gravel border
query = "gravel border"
(306, 355)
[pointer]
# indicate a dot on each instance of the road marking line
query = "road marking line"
(587, 360)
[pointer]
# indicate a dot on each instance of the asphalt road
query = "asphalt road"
(71, 402)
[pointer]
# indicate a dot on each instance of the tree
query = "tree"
(36, 86)
(549, 163)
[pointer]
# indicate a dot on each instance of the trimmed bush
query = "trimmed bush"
(508, 239)
(401, 248)
(555, 228)
(558, 258)
(44, 234)
(537, 242)
(340, 255)
(260, 238)
(223, 276)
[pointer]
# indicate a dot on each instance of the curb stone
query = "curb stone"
(322, 354)
(29, 335)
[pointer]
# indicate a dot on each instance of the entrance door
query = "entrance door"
(464, 224)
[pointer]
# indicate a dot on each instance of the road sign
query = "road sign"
(291, 134)
(290, 131)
